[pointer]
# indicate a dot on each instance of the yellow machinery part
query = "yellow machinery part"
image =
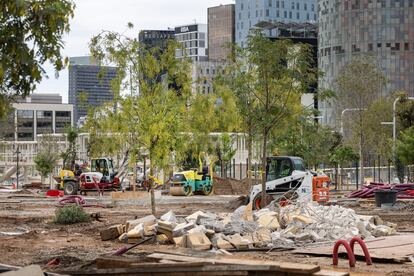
(177, 191)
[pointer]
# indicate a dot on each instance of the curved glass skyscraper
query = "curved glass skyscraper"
(381, 28)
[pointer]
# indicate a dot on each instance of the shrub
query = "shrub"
(70, 214)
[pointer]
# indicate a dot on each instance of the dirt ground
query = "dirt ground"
(79, 244)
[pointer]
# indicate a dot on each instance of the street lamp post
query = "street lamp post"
(343, 113)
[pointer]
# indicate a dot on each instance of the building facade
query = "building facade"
(156, 38)
(250, 12)
(203, 74)
(194, 40)
(382, 29)
(89, 85)
(221, 31)
(29, 119)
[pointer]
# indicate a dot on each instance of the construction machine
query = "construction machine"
(287, 178)
(185, 183)
(102, 175)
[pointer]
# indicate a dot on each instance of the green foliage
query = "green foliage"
(153, 119)
(70, 214)
(31, 33)
(307, 139)
(405, 146)
(47, 155)
(405, 114)
(224, 148)
(343, 154)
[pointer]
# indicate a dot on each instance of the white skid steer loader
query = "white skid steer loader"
(287, 178)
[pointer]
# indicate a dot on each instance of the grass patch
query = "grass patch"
(71, 214)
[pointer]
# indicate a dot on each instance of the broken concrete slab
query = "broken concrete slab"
(147, 220)
(198, 241)
(111, 233)
(269, 220)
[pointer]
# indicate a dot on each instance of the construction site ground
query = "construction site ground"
(78, 245)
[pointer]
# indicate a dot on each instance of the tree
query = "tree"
(342, 154)
(31, 33)
(271, 77)
(152, 120)
(405, 146)
(47, 157)
(359, 83)
(225, 151)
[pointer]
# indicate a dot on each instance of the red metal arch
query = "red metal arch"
(368, 259)
(349, 251)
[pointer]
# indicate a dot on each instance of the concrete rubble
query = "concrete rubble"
(295, 225)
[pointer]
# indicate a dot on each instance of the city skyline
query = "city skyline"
(109, 16)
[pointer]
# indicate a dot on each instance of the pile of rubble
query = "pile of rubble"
(291, 226)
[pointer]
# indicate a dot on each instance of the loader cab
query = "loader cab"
(104, 166)
(283, 166)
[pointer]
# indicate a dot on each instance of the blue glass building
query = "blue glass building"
(251, 12)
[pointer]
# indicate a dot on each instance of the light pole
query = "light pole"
(342, 116)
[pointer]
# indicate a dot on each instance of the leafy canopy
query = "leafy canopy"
(31, 33)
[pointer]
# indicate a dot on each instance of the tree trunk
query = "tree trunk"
(153, 208)
(249, 160)
(264, 169)
(361, 159)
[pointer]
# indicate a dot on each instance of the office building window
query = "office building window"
(297, 16)
(257, 13)
(241, 24)
(298, 6)
(277, 4)
(285, 14)
(293, 5)
(267, 12)
(307, 16)
(305, 7)
(313, 7)
(283, 4)
(290, 15)
(239, 15)
(270, 3)
(277, 13)
(241, 6)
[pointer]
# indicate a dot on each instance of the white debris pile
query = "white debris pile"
(291, 226)
(311, 222)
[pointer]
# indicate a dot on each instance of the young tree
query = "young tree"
(359, 83)
(47, 157)
(225, 151)
(153, 119)
(405, 146)
(31, 33)
(270, 77)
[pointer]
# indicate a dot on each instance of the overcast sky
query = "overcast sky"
(91, 16)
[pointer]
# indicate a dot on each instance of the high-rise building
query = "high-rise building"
(89, 84)
(250, 12)
(378, 28)
(156, 38)
(194, 40)
(221, 31)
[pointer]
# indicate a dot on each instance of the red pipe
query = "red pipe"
(349, 251)
(368, 259)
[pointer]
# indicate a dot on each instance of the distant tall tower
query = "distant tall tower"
(156, 38)
(221, 30)
(251, 12)
(377, 28)
(89, 84)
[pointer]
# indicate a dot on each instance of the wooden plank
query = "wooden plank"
(297, 268)
(250, 265)
(391, 248)
(324, 272)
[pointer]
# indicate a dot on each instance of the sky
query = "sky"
(92, 16)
